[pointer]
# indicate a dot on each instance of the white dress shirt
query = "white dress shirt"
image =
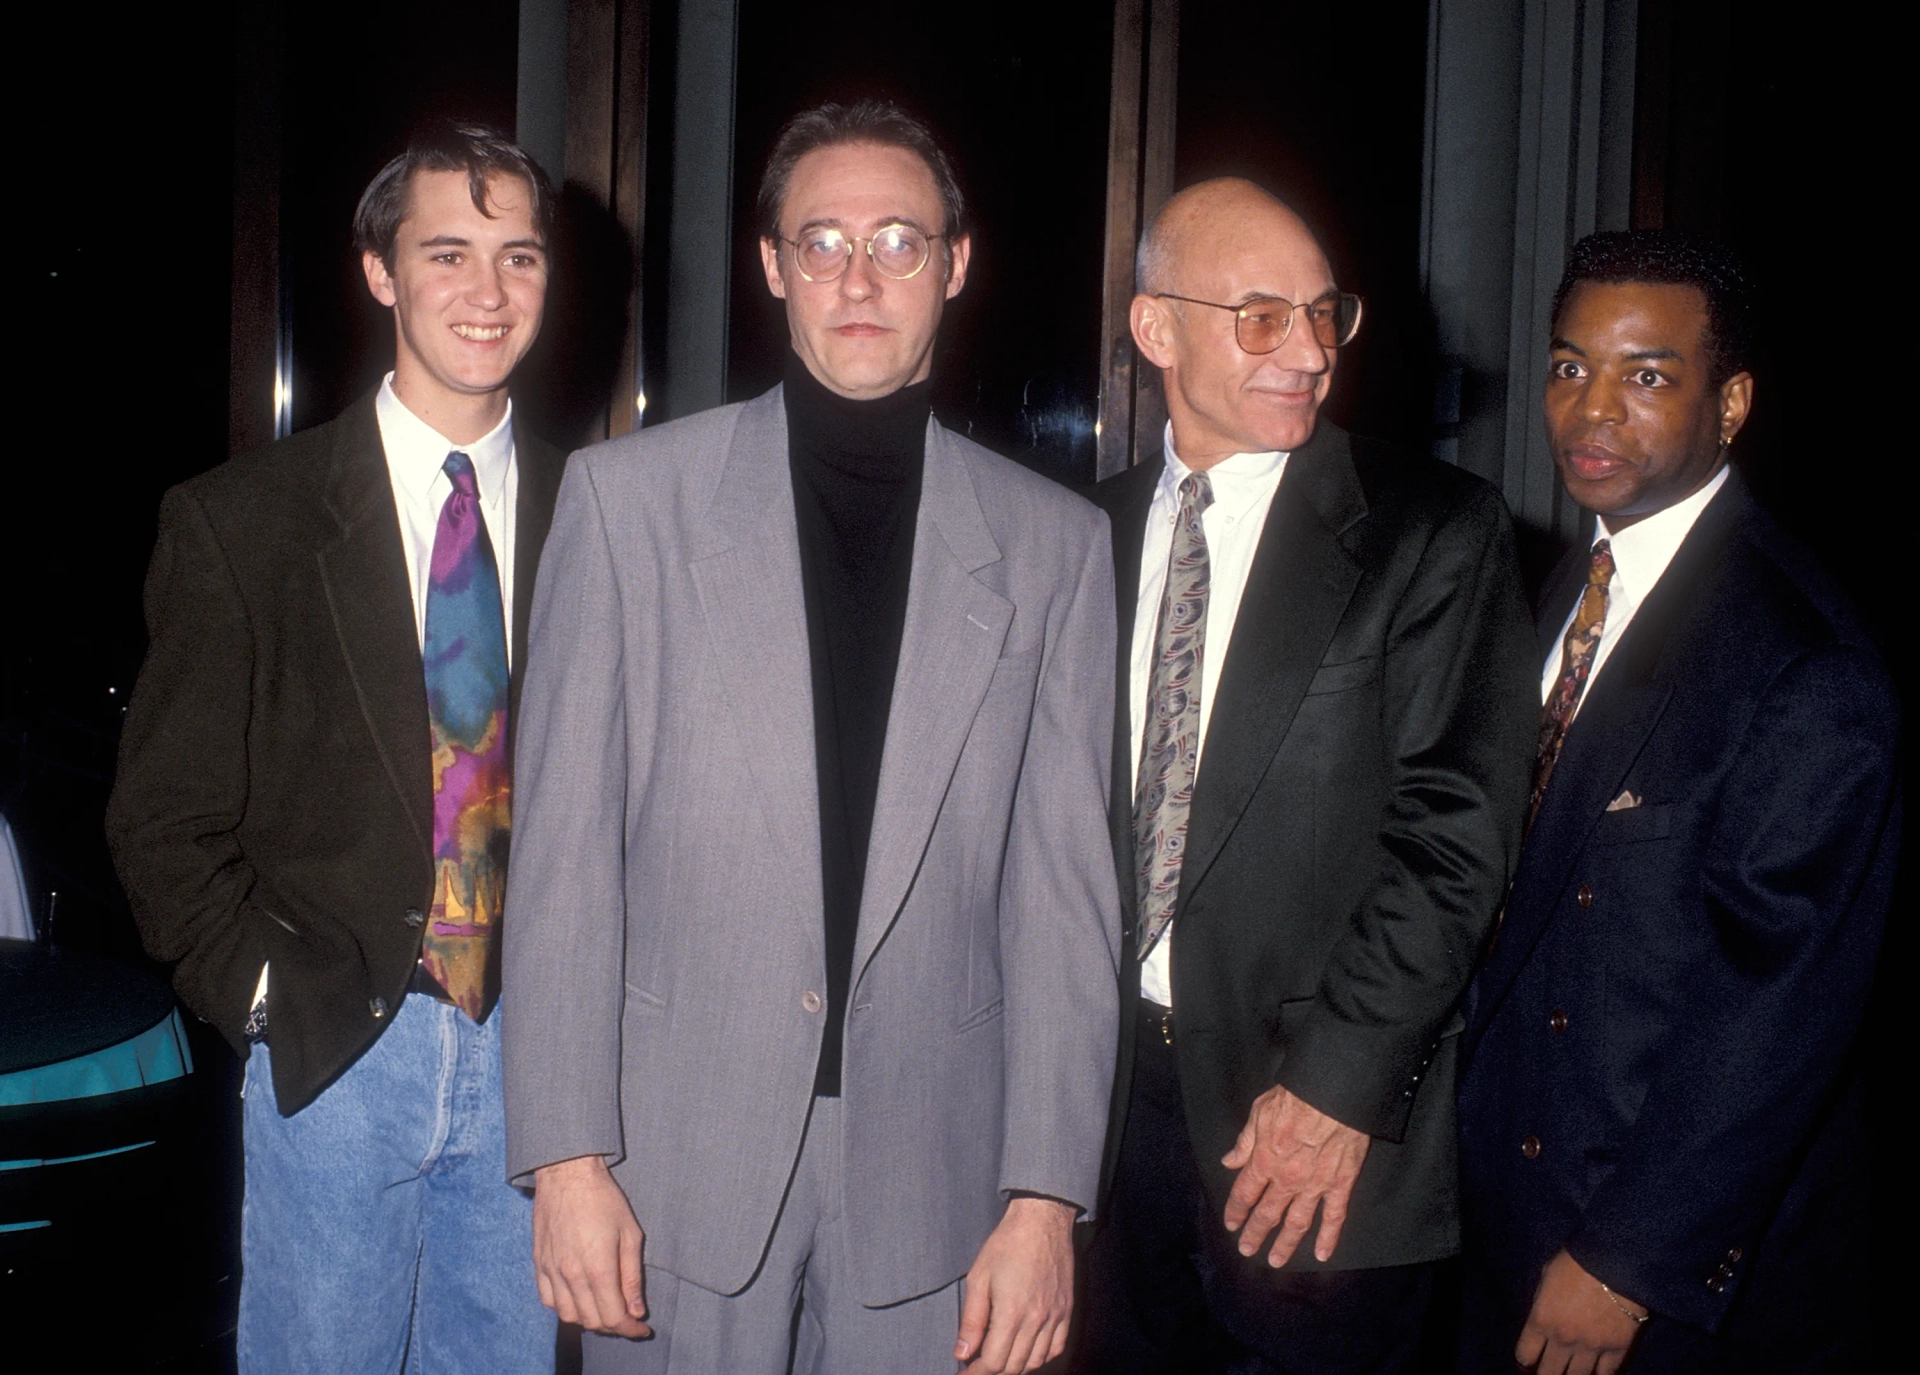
(416, 460)
(1641, 553)
(416, 465)
(1243, 488)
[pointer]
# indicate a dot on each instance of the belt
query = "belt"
(1159, 1017)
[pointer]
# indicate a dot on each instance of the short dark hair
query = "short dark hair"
(1666, 257)
(445, 146)
(862, 121)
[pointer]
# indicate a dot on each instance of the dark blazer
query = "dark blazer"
(1355, 821)
(275, 792)
(1672, 1004)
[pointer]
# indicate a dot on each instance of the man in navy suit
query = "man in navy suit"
(1660, 1107)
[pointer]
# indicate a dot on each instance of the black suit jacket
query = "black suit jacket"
(275, 792)
(1355, 821)
(1675, 994)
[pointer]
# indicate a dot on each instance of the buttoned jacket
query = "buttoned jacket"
(1660, 1068)
(665, 954)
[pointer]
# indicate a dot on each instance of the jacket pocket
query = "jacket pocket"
(1632, 824)
(1340, 677)
(981, 1016)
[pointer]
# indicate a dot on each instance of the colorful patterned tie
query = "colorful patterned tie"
(1576, 666)
(1170, 752)
(466, 663)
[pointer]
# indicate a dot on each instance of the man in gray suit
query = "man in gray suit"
(814, 945)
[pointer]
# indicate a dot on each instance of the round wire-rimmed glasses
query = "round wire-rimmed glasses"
(899, 251)
(1262, 324)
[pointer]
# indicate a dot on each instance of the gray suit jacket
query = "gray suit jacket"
(665, 963)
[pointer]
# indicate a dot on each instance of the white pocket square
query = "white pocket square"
(1627, 800)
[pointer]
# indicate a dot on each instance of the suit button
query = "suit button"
(1584, 896)
(378, 1007)
(1558, 1021)
(1717, 1284)
(415, 917)
(1530, 1147)
(810, 1001)
(1733, 1256)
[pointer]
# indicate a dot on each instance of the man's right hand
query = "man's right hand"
(587, 1247)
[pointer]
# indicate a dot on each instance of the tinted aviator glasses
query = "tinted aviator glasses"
(899, 251)
(1262, 324)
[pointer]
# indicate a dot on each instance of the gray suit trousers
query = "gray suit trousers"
(699, 1332)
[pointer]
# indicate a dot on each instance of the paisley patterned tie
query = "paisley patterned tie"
(1576, 666)
(1170, 752)
(466, 663)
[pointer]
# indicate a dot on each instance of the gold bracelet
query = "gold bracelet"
(1638, 1318)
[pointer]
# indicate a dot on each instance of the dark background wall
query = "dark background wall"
(1018, 92)
(1323, 105)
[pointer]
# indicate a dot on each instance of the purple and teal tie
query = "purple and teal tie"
(1170, 751)
(466, 664)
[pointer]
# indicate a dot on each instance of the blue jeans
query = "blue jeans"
(379, 1232)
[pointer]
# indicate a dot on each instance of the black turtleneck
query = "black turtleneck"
(856, 493)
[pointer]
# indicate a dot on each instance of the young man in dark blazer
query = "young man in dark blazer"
(1661, 1101)
(314, 800)
(1325, 688)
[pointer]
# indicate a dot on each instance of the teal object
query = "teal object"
(153, 1056)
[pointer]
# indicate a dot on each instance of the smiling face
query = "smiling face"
(1632, 416)
(864, 334)
(467, 292)
(1228, 241)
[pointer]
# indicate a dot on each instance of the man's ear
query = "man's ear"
(1736, 403)
(959, 254)
(1152, 322)
(379, 280)
(770, 261)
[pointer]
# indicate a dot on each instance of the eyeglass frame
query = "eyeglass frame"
(1285, 334)
(867, 239)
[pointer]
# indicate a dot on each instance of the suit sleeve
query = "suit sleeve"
(1460, 707)
(565, 920)
(181, 787)
(1060, 906)
(1795, 883)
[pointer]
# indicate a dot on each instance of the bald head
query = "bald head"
(1224, 214)
(1212, 250)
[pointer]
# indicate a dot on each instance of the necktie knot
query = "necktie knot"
(459, 471)
(1196, 490)
(1600, 572)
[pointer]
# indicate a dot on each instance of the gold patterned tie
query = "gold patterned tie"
(1576, 666)
(1170, 751)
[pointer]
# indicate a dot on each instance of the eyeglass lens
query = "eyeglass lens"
(1262, 325)
(898, 251)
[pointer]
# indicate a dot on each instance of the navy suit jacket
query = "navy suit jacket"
(1659, 1061)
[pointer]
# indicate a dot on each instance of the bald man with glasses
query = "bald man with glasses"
(1325, 720)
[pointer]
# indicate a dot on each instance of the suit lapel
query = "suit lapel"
(949, 645)
(1615, 721)
(1129, 500)
(540, 466)
(363, 572)
(1563, 587)
(746, 574)
(1297, 590)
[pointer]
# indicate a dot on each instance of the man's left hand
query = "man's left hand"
(1019, 1291)
(1292, 1159)
(1575, 1327)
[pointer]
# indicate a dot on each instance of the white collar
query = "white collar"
(417, 453)
(1238, 481)
(1642, 551)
